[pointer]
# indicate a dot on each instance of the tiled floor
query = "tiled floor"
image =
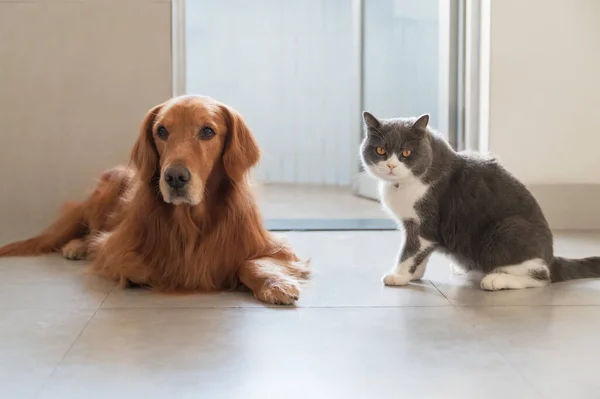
(66, 334)
(280, 201)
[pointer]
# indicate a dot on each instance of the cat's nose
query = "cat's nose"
(391, 166)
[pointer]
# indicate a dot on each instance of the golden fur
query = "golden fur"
(212, 239)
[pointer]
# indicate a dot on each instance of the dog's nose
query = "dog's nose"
(177, 176)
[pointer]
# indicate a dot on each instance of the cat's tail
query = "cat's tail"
(66, 228)
(563, 269)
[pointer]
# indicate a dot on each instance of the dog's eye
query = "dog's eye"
(162, 133)
(206, 133)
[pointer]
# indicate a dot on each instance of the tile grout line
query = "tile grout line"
(106, 297)
(278, 307)
(489, 341)
(475, 332)
(311, 307)
(441, 293)
(47, 379)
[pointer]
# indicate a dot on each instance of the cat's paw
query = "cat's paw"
(504, 281)
(500, 281)
(396, 279)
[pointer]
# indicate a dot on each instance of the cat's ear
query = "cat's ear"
(371, 121)
(420, 124)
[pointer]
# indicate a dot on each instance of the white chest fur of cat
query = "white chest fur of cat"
(399, 198)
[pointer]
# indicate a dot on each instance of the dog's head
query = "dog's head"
(183, 141)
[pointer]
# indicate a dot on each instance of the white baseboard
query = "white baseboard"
(566, 206)
(569, 206)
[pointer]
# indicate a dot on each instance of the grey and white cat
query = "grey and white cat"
(465, 205)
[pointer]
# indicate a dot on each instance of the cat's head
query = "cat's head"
(394, 149)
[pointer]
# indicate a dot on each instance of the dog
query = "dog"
(182, 216)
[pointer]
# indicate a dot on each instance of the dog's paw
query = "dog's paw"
(396, 279)
(279, 292)
(75, 250)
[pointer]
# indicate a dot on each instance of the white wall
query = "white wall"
(545, 89)
(76, 79)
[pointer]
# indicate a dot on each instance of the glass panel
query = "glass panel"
(287, 66)
(402, 51)
(406, 65)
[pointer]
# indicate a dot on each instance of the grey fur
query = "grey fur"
(420, 258)
(474, 210)
(540, 274)
(563, 269)
(412, 244)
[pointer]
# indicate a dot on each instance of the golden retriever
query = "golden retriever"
(182, 216)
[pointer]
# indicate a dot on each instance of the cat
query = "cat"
(465, 205)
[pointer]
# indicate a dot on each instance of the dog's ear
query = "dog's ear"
(241, 150)
(144, 155)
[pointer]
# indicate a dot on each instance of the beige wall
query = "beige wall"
(76, 78)
(545, 89)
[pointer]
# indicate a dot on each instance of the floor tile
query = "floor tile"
(554, 347)
(292, 353)
(463, 290)
(349, 335)
(32, 342)
(281, 201)
(120, 298)
(348, 267)
(49, 282)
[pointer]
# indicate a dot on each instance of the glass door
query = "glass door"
(409, 65)
(301, 72)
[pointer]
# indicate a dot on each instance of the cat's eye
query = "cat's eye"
(380, 150)
(406, 153)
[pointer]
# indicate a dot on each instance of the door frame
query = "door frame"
(466, 28)
(178, 48)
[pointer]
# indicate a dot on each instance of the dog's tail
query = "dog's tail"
(69, 226)
(563, 269)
